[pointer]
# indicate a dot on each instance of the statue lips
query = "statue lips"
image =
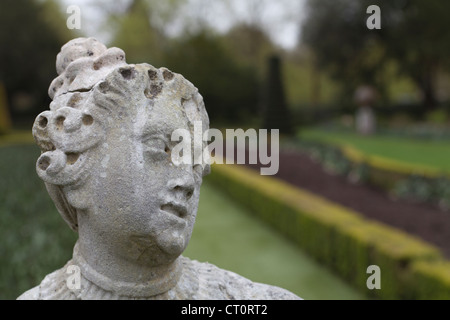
(175, 209)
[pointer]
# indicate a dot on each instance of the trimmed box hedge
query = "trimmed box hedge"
(387, 173)
(17, 138)
(430, 280)
(390, 165)
(339, 237)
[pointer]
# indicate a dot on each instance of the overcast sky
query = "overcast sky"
(281, 18)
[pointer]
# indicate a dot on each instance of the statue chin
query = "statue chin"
(162, 250)
(172, 244)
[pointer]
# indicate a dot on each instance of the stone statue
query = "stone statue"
(365, 120)
(106, 145)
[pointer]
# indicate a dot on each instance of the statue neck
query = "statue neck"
(146, 282)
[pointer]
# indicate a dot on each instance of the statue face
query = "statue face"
(106, 153)
(141, 201)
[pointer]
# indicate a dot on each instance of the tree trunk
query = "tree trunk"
(5, 118)
(427, 85)
(315, 86)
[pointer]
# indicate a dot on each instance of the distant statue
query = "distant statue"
(106, 145)
(365, 121)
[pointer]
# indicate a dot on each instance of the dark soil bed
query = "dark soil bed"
(424, 221)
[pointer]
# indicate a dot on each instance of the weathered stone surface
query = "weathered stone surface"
(197, 281)
(365, 119)
(106, 162)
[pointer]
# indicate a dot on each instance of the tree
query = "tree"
(136, 36)
(276, 114)
(5, 119)
(417, 38)
(229, 89)
(336, 31)
(413, 33)
(251, 46)
(28, 49)
(140, 29)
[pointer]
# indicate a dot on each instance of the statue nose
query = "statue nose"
(183, 186)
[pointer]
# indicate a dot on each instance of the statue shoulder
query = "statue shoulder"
(220, 284)
(53, 287)
(32, 294)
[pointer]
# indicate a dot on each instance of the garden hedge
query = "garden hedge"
(19, 137)
(385, 172)
(341, 238)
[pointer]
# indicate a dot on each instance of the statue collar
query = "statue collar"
(127, 289)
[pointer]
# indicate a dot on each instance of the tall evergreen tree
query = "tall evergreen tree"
(276, 112)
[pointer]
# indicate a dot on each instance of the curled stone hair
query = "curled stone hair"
(94, 89)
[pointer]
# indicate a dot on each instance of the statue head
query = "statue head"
(106, 152)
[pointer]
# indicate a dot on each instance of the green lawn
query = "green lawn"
(33, 237)
(34, 240)
(435, 154)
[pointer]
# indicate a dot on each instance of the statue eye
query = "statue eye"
(156, 146)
